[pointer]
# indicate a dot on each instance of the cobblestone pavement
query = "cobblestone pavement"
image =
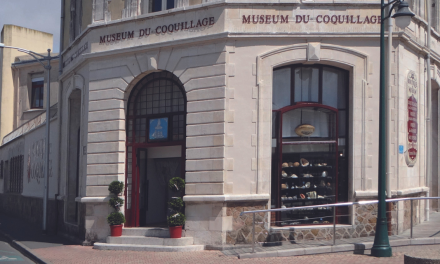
(69, 254)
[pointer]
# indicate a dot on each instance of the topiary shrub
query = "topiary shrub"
(176, 184)
(115, 218)
(175, 203)
(116, 203)
(116, 187)
(177, 219)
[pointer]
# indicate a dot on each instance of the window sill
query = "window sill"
(33, 110)
(31, 114)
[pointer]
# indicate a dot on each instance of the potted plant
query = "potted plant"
(176, 219)
(116, 218)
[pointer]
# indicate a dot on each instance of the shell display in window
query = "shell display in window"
(304, 130)
(304, 162)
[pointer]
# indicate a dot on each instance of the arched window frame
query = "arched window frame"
(133, 117)
(277, 126)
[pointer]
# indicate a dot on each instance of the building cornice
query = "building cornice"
(402, 36)
(231, 3)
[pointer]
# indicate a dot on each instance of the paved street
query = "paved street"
(80, 255)
(10, 255)
(53, 249)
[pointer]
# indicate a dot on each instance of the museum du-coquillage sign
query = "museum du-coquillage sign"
(305, 19)
(198, 24)
(161, 29)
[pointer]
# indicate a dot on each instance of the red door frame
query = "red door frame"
(280, 144)
(132, 214)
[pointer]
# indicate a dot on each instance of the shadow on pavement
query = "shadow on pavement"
(30, 235)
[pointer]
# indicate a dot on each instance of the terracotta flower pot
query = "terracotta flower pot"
(116, 230)
(175, 231)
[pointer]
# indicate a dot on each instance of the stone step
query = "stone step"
(147, 231)
(155, 248)
(142, 240)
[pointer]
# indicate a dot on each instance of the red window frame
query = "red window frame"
(276, 168)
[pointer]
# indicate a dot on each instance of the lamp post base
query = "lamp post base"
(381, 246)
(381, 251)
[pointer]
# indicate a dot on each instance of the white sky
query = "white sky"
(43, 15)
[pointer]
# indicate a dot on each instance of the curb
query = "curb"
(357, 248)
(23, 249)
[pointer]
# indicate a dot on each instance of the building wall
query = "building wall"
(29, 203)
(226, 69)
(25, 38)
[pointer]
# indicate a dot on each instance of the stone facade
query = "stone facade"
(224, 63)
(242, 225)
(364, 225)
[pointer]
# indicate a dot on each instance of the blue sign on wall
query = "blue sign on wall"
(158, 128)
(401, 149)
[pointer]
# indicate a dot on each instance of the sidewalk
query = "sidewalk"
(425, 233)
(53, 249)
(27, 238)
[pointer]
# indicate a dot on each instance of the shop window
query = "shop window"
(37, 93)
(309, 143)
(15, 181)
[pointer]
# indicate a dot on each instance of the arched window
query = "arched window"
(156, 110)
(309, 137)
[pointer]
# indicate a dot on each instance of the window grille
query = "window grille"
(16, 174)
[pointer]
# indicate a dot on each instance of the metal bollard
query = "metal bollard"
(253, 234)
(411, 218)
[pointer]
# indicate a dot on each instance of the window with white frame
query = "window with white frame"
(132, 8)
(75, 19)
(37, 93)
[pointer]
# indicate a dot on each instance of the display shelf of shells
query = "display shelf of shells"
(305, 164)
(299, 183)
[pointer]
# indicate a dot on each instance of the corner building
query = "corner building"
(255, 104)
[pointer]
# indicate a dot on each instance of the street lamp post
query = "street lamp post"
(40, 58)
(381, 246)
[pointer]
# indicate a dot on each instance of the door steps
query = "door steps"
(149, 239)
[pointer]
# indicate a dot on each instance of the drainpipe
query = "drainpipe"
(60, 66)
(60, 71)
(428, 115)
(389, 118)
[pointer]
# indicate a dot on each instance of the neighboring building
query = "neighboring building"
(218, 93)
(23, 118)
(25, 38)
